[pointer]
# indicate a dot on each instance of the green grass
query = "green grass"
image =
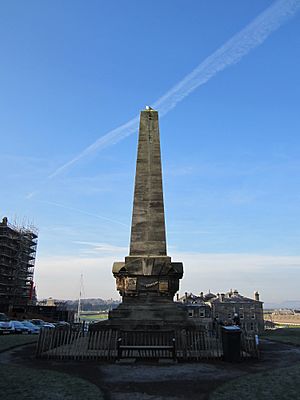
(284, 335)
(283, 325)
(18, 382)
(9, 341)
(93, 317)
(278, 384)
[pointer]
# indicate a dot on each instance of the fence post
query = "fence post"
(174, 349)
(119, 350)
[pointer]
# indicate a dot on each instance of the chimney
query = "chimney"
(186, 297)
(177, 296)
(201, 295)
(235, 292)
(256, 296)
(4, 221)
(222, 296)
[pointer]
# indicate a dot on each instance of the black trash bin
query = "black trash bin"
(231, 342)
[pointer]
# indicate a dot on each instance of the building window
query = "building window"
(191, 313)
(253, 316)
(202, 313)
(241, 316)
(229, 315)
(251, 326)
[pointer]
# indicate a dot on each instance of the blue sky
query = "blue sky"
(72, 71)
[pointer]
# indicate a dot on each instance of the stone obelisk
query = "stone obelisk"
(148, 234)
(147, 280)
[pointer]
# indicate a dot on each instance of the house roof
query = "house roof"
(233, 297)
(209, 296)
(192, 299)
(229, 297)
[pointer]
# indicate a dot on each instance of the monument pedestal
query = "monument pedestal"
(148, 315)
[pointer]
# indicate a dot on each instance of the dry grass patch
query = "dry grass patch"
(18, 382)
(278, 384)
(10, 341)
(284, 335)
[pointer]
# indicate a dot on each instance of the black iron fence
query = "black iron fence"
(113, 344)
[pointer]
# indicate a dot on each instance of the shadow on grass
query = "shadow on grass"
(8, 342)
(284, 335)
(18, 382)
(278, 384)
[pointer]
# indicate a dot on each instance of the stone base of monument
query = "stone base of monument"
(161, 316)
(154, 329)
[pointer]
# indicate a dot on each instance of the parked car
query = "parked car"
(42, 324)
(6, 327)
(3, 317)
(62, 325)
(18, 327)
(32, 329)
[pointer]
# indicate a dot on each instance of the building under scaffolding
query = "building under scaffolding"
(17, 257)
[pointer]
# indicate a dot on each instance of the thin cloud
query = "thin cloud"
(276, 277)
(103, 247)
(31, 194)
(253, 35)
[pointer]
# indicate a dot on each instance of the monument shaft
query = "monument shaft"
(148, 236)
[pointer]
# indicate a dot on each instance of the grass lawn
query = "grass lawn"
(10, 341)
(284, 335)
(93, 317)
(18, 382)
(278, 384)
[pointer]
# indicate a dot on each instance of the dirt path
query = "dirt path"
(155, 381)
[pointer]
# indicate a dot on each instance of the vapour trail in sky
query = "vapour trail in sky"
(230, 53)
(83, 212)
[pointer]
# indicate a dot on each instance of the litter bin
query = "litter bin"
(231, 342)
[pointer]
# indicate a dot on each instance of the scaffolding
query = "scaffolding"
(17, 258)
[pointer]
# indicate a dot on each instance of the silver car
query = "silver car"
(6, 327)
(19, 327)
(42, 324)
(32, 329)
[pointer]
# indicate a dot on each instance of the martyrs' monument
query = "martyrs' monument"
(147, 279)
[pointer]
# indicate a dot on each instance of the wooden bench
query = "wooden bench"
(121, 348)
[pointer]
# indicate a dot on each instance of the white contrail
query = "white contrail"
(82, 212)
(230, 53)
(110, 138)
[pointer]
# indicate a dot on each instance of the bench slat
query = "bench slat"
(146, 347)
